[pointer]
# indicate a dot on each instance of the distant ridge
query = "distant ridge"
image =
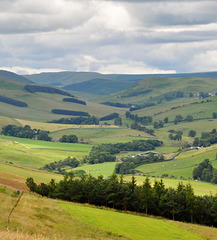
(66, 77)
(13, 77)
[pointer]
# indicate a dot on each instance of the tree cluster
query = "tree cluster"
(90, 120)
(136, 93)
(69, 112)
(138, 127)
(205, 172)
(159, 124)
(173, 95)
(60, 165)
(105, 152)
(206, 139)
(145, 120)
(46, 89)
(179, 118)
(74, 100)
(25, 132)
(109, 117)
(114, 104)
(128, 165)
(13, 102)
(69, 138)
(178, 204)
(175, 135)
(118, 121)
(144, 105)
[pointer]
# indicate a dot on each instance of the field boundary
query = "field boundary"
(15, 205)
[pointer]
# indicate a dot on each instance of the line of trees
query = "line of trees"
(206, 139)
(25, 132)
(205, 172)
(74, 100)
(105, 152)
(145, 120)
(13, 102)
(178, 204)
(70, 112)
(59, 166)
(46, 89)
(128, 164)
(90, 120)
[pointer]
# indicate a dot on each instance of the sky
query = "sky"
(108, 36)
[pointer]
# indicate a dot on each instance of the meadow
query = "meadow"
(41, 218)
(29, 143)
(127, 225)
(182, 166)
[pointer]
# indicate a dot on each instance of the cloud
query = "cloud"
(129, 36)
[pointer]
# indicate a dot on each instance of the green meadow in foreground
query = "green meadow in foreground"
(42, 218)
(130, 226)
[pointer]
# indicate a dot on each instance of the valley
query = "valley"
(191, 97)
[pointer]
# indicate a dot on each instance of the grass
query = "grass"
(130, 226)
(102, 135)
(53, 127)
(40, 104)
(10, 173)
(199, 126)
(105, 169)
(4, 121)
(183, 165)
(73, 147)
(43, 219)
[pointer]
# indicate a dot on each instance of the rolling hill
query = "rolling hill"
(66, 77)
(158, 90)
(99, 86)
(13, 77)
(40, 101)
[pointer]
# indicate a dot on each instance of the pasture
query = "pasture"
(127, 225)
(182, 166)
(73, 147)
(105, 169)
(43, 219)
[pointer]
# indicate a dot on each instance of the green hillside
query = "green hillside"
(159, 90)
(13, 77)
(44, 219)
(99, 86)
(40, 104)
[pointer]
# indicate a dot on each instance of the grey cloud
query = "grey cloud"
(91, 36)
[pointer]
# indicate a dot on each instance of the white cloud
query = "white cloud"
(106, 36)
(25, 70)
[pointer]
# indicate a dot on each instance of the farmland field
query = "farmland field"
(50, 145)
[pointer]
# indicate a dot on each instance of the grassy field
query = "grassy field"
(18, 154)
(40, 104)
(53, 127)
(105, 169)
(23, 173)
(42, 218)
(102, 135)
(130, 226)
(73, 147)
(199, 126)
(182, 165)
